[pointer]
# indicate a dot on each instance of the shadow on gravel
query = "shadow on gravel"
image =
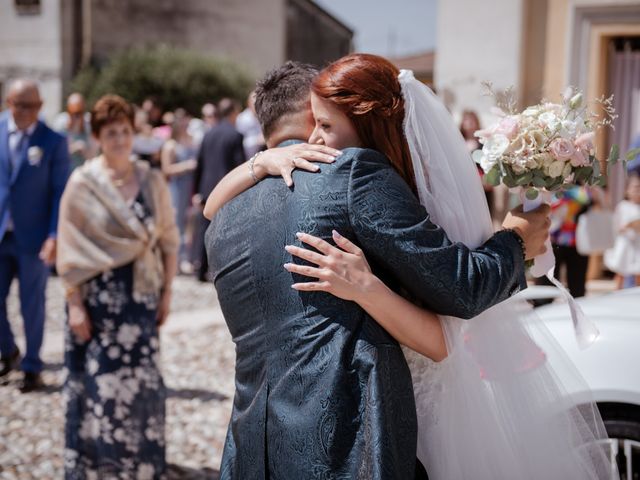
(175, 472)
(189, 393)
(53, 366)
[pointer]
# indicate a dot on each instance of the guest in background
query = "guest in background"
(624, 258)
(178, 164)
(220, 152)
(34, 166)
(146, 146)
(469, 125)
(565, 212)
(117, 258)
(198, 127)
(249, 126)
(151, 106)
(75, 125)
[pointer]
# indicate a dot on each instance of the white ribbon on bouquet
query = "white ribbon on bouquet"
(544, 265)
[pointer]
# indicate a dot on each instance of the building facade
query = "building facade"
(539, 47)
(50, 40)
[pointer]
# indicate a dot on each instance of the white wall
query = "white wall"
(477, 41)
(30, 46)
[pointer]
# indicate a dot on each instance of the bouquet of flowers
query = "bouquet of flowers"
(545, 148)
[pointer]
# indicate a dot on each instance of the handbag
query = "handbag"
(595, 232)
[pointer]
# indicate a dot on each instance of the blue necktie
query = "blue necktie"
(18, 151)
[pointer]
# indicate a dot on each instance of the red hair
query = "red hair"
(366, 88)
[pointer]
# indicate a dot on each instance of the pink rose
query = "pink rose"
(508, 127)
(585, 142)
(484, 133)
(579, 159)
(562, 149)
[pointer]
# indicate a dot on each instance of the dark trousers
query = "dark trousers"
(199, 251)
(32, 276)
(575, 266)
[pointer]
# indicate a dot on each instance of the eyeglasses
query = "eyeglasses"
(25, 105)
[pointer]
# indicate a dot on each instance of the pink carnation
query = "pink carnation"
(562, 149)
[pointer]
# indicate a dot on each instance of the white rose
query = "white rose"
(555, 169)
(495, 146)
(531, 111)
(568, 129)
(567, 170)
(543, 159)
(549, 120)
(485, 162)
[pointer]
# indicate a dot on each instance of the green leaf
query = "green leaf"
(493, 176)
(632, 154)
(583, 174)
(524, 179)
(614, 153)
(532, 193)
(602, 181)
(509, 178)
(539, 178)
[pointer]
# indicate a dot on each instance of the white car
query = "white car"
(611, 366)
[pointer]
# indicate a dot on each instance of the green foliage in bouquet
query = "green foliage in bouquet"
(177, 77)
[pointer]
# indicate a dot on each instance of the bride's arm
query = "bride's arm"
(275, 161)
(346, 274)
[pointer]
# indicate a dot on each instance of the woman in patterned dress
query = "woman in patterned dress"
(117, 257)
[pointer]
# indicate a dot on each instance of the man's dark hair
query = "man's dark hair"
(283, 91)
(226, 107)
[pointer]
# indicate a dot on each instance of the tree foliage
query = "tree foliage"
(176, 77)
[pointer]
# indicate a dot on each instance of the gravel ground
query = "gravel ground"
(198, 360)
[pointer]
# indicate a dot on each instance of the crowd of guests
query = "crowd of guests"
(107, 202)
(112, 196)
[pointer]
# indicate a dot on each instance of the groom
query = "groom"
(322, 391)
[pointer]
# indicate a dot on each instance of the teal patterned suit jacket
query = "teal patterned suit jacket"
(322, 391)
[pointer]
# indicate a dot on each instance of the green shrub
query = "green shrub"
(176, 77)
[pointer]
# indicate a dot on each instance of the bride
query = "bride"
(492, 392)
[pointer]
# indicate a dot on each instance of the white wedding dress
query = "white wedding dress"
(498, 406)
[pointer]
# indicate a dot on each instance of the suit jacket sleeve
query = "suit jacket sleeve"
(238, 152)
(60, 169)
(395, 232)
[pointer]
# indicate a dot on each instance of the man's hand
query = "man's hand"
(532, 226)
(48, 251)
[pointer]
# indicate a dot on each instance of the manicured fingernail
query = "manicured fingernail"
(336, 234)
(339, 152)
(287, 266)
(316, 168)
(288, 248)
(299, 234)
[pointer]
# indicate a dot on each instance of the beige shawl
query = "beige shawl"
(98, 231)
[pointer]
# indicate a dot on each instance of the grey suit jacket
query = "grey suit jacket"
(322, 391)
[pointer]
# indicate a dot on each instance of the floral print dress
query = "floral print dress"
(114, 390)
